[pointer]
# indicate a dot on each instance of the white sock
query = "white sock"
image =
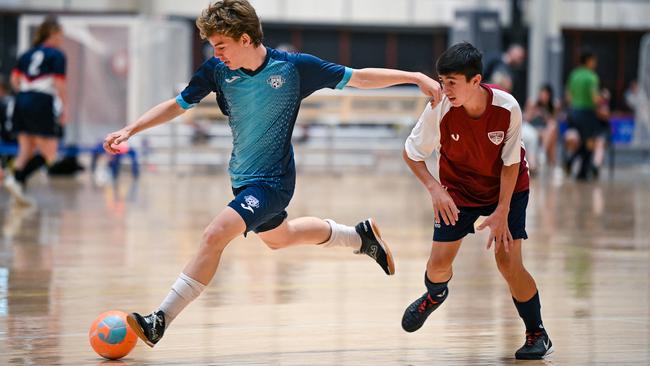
(342, 236)
(184, 291)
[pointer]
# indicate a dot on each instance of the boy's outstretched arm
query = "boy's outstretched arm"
(157, 115)
(374, 78)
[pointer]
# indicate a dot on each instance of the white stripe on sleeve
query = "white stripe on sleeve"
(511, 153)
(425, 136)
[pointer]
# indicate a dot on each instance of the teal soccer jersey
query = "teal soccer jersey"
(262, 107)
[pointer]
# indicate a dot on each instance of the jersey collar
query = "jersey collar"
(259, 69)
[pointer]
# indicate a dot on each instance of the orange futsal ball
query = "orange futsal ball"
(110, 335)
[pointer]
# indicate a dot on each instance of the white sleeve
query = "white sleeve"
(511, 153)
(425, 136)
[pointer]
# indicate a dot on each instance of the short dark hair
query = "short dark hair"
(586, 55)
(461, 58)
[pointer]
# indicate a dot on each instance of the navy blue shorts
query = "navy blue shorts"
(586, 122)
(34, 114)
(468, 215)
(262, 206)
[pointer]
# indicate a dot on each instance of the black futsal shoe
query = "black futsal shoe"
(150, 328)
(538, 345)
(419, 311)
(373, 246)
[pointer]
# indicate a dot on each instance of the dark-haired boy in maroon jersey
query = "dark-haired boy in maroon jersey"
(475, 132)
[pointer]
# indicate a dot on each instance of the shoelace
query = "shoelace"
(155, 318)
(427, 303)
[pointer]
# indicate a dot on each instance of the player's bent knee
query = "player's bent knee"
(506, 273)
(274, 244)
(509, 270)
(439, 269)
(440, 263)
(215, 237)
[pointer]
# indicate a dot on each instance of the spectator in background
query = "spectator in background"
(583, 97)
(503, 71)
(632, 96)
(41, 104)
(638, 100)
(542, 115)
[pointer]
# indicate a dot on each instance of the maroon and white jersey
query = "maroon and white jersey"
(470, 151)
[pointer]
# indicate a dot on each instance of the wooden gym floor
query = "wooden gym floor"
(88, 249)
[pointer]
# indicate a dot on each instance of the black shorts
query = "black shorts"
(468, 216)
(261, 205)
(603, 129)
(34, 114)
(586, 122)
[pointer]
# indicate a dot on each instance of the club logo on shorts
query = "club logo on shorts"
(251, 202)
(496, 137)
(276, 81)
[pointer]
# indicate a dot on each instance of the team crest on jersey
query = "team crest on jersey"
(276, 81)
(496, 137)
(252, 201)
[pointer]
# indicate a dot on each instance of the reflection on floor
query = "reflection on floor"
(88, 249)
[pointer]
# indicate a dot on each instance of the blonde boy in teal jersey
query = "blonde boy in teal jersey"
(260, 89)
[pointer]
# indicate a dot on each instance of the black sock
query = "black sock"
(32, 165)
(20, 176)
(437, 290)
(530, 312)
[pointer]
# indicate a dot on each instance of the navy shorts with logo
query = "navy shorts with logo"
(468, 216)
(261, 205)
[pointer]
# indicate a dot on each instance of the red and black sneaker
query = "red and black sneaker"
(420, 309)
(538, 345)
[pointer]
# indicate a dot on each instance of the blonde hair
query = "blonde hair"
(231, 18)
(49, 26)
